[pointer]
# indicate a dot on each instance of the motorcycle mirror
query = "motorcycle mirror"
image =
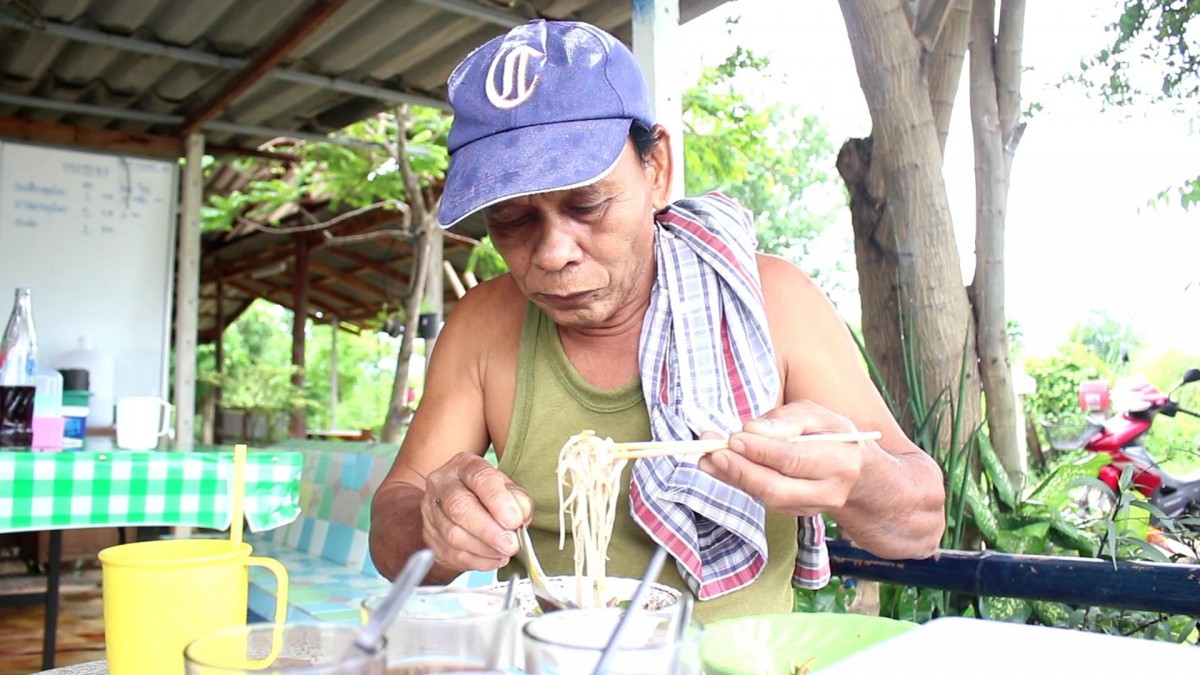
(1192, 375)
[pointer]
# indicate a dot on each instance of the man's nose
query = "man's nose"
(556, 246)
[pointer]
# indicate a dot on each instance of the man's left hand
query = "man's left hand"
(800, 479)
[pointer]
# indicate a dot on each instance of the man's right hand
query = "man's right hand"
(471, 511)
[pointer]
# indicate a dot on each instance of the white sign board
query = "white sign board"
(93, 236)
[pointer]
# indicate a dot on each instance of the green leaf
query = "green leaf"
(1150, 508)
(1054, 490)
(996, 473)
(985, 518)
(1029, 539)
(1071, 537)
(1011, 610)
(1148, 550)
(1051, 613)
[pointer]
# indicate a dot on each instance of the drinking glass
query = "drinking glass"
(570, 641)
(282, 649)
(442, 630)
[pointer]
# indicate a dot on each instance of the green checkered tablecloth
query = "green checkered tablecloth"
(61, 490)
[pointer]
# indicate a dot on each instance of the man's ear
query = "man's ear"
(658, 167)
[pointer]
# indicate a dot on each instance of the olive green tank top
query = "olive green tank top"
(553, 403)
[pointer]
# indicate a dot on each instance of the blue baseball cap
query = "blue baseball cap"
(547, 106)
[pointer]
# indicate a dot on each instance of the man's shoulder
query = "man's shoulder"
(493, 304)
(787, 288)
(773, 268)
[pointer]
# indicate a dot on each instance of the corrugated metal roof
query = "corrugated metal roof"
(147, 66)
(402, 46)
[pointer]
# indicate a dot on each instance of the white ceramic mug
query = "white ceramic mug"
(141, 421)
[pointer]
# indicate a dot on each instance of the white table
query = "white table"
(954, 645)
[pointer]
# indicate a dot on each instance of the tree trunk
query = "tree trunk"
(995, 73)
(422, 221)
(299, 414)
(908, 262)
(398, 412)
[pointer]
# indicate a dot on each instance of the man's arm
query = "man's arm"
(888, 497)
(896, 506)
(440, 492)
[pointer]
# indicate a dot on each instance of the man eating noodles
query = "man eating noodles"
(641, 319)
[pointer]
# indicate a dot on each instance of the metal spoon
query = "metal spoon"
(635, 606)
(414, 571)
(546, 599)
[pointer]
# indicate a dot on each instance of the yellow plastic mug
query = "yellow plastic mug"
(161, 595)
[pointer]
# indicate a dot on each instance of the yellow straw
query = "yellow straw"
(238, 493)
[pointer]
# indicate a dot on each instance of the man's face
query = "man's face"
(585, 254)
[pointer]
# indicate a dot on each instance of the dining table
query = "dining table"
(956, 645)
(62, 490)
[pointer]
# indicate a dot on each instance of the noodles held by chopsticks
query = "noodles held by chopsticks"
(590, 475)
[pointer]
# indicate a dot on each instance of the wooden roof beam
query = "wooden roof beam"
(280, 295)
(249, 265)
(333, 274)
(356, 225)
(365, 262)
(266, 60)
(107, 140)
(278, 292)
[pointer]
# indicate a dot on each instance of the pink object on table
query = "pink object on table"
(48, 432)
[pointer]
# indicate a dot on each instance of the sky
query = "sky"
(1080, 234)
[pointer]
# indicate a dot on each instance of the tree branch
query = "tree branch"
(945, 64)
(412, 187)
(929, 19)
(1009, 38)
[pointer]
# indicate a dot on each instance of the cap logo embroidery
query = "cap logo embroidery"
(515, 85)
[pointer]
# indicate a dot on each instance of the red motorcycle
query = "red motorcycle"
(1122, 436)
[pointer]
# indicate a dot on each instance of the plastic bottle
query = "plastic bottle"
(18, 369)
(100, 380)
(48, 421)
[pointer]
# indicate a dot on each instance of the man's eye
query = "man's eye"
(506, 221)
(585, 209)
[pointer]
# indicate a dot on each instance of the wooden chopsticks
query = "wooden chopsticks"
(640, 449)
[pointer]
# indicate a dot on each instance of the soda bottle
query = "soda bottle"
(18, 370)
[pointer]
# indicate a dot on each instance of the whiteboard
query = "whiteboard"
(93, 236)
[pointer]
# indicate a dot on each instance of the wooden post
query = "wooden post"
(333, 372)
(655, 31)
(211, 407)
(452, 277)
(187, 292)
(299, 426)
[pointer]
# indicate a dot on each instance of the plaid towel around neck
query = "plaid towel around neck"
(708, 365)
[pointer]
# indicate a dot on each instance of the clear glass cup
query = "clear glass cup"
(570, 641)
(282, 649)
(442, 630)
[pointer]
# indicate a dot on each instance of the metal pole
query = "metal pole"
(655, 35)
